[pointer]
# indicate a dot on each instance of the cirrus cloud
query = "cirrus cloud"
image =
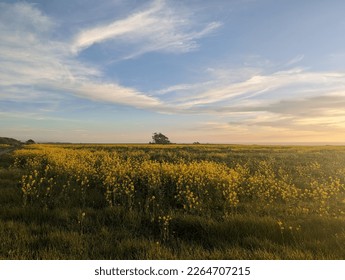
(157, 28)
(36, 68)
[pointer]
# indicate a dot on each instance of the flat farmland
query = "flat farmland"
(172, 202)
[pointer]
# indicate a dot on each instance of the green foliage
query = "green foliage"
(30, 142)
(159, 138)
(9, 141)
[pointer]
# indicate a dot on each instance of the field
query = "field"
(172, 202)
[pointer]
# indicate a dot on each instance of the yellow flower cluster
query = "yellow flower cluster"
(4, 146)
(268, 186)
(132, 178)
(164, 225)
(323, 194)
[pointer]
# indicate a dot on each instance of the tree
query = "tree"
(30, 141)
(159, 138)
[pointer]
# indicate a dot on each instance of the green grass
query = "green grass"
(98, 232)
(62, 234)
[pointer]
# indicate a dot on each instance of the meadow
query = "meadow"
(172, 202)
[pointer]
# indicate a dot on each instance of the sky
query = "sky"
(222, 71)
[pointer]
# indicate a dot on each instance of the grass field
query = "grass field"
(172, 202)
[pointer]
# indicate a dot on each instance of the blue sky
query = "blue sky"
(115, 71)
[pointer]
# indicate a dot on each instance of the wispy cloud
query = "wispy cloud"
(319, 113)
(157, 28)
(278, 105)
(295, 60)
(36, 68)
(31, 19)
(257, 89)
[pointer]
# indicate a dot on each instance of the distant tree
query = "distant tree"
(159, 138)
(30, 141)
(196, 143)
(10, 141)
